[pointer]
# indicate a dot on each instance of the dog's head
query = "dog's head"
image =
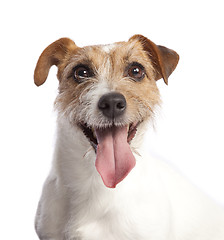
(108, 91)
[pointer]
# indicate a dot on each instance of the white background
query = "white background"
(190, 129)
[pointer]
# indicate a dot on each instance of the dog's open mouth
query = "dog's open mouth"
(114, 158)
(90, 133)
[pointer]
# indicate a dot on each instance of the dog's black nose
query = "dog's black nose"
(112, 104)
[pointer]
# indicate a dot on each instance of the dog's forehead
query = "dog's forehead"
(118, 52)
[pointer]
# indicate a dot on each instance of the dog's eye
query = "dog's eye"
(81, 73)
(136, 71)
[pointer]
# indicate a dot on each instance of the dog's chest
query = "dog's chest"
(98, 220)
(110, 225)
(125, 213)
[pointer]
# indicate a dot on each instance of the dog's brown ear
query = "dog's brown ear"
(52, 55)
(163, 59)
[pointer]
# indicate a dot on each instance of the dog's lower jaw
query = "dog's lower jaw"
(114, 158)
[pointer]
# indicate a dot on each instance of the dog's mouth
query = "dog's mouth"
(90, 133)
(114, 158)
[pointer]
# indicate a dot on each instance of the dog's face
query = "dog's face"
(108, 91)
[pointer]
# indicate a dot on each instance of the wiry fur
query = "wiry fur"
(153, 201)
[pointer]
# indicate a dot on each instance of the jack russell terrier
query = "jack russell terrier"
(102, 185)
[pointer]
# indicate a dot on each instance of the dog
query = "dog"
(103, 185)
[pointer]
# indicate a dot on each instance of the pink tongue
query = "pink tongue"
(114, 159)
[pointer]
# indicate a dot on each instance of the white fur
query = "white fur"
(152, 202)
(108, 47)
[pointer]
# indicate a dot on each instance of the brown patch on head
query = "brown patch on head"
(70, 91)
(141, 96)
(164, 60)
